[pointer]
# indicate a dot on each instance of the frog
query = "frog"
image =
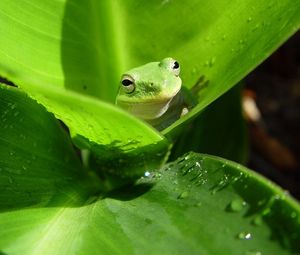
(154, 93)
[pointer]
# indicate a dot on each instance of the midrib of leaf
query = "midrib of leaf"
(107, 29)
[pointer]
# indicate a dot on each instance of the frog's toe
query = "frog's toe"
(201, 83)
(184, 111)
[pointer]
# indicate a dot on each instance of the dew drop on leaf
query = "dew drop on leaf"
(244, 236)
(293, 215)
(257, 221)
(237, 205)
(253, 253)
(10, 179)
(183, 195)
(199, 204)
(266, 211)
(255, 28)
(207, 39)
(212, 62)
(147, 174)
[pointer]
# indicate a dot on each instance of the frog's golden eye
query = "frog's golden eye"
(176, 67)
(128, 83)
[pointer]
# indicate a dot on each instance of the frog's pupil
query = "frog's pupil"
(176, 65)
(127, 82)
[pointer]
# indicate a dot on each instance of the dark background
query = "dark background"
(275, 145)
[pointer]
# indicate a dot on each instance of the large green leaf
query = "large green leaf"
(72, 44)
(89, 122)
(196, 205)
(86, 45)
(38, 164)
(199, 204)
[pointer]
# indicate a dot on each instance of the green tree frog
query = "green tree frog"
(153, 93)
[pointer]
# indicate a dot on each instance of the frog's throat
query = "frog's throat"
(147, 110)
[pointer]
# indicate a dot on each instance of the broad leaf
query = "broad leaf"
(199, 204)
(85, 46)
(38, 164)
(93, 119)
(196, 205)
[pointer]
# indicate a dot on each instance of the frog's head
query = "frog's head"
(146, 91)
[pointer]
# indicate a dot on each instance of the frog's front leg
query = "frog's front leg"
(184, 111)
(200, 84)
(190, 99)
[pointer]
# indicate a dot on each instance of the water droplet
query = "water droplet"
(223, 183)
(183, 195)
(249, 19)
(255, 28)
(293, 215)
(237, 205)
(244, 236)
(211, 61)
(199, 204)
(224, 37)
(257, 221)
(266, 211)
(147, 174)
(197, 164)
(10, 180)
(158, 175)
(253, 253)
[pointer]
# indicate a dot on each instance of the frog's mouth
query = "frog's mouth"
(151, 109)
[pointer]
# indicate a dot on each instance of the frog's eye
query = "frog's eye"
(176, 68)
(128, 84)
